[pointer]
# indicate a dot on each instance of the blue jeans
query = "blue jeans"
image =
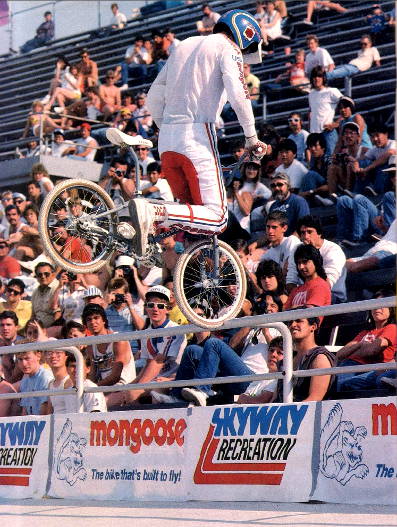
(136, 71)
(214, 359)
(376, 178)
(340, 72)
(311, 180)
(342, 378)
(229, 114)
(389, 207)
(331, 138)
(34, 43)
(355, 217)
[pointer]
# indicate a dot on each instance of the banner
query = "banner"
(120, 455)
(24, 449)
(249, 453)
(357, 452)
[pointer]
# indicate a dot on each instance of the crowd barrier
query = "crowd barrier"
(334, 451)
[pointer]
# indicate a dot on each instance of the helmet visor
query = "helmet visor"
(253, 54)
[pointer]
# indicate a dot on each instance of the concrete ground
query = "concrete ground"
(65, 513)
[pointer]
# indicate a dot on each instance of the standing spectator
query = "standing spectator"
(110, 96)
(44, 33)
(292, 167)
(35, 196)
(36, 379)
(365, 58)
(42, 308)
(298, 135)
(317, 56)
(319, 5)
(118, 20)
(84, 148)
(116, 183)
(14, 221)
(40, 174)
(207, 23)
(280, 246)
(92, 402)
(163, 354)
(9, 266)
(173, 41)
(311, 233)
(294, 206)
(135, 63)
(322, 102)
(68, 296)
(142, 116)
(88, 70)
(59, 404)
(160, 49)
(156, 187)
(22, 308)
(315, 290)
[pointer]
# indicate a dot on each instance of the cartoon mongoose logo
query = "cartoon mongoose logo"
(341, 452)
(68, 457)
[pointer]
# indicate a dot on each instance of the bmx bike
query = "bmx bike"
(81, 230)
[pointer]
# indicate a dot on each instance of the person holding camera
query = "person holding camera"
(117, 183)
(68, 296)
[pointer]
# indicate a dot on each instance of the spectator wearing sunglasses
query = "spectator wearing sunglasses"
(145, 158)
(22, 308)
(42, 296)
(9, 266)
(298, 135)
(162, 354)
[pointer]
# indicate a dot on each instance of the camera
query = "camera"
(341, 158)
(118, 298)
(71, 276)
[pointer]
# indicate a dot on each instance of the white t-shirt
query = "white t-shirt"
(58, 149)
(163, 186)
(320, 57)
(300, 140)
(119, 20)
(257, 190)
(295, 172)
(365, 58)
(322, 107)
(387, 243)
(375, 153)
(82, 144)
(334, 260)
(93, 402)
(143, 53)
(281, 252)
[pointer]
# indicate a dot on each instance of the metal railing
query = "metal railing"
(273, 320)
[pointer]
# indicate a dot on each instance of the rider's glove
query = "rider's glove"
(255, 147)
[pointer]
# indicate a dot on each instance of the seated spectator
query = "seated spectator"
(142, 116)
(372, 258)
(370, 175)
(347, 110)
(92, 402)
(314, 182)
(9, 266)
(70, 246)
(118, 20)
(156, 187)
(27, 243)
(253, 84)
(68, 296)
(84, 148)
(298, 135)
(39, 122)
(280, 246)
(378, 22)
(40, 174)
(59, 77)
(322, 102)
(44, 34)
(270, 278)
(169, 35)
(290, 165)
(59, 404)
(313, 5)
(22, 308)
(159, 49)
(69, 90)
(110, 96)
(315, 291)
(113, 363)
(88, 70)
(206, 25)
(309, 356)
(9, 325)
(8, 407)
(174, 313)
(59, 145)
(36, 379)
(163, 354)
(42, 307)
(136, 60)
(116, 183)
(311, 233)
(285, 201)
(93, 295)
(365, 58)
(33, 149)
(317, 56)
(171, 249)
(145, 158)
(377, 343)
(295, 73)
(35, 196)
(270, 25)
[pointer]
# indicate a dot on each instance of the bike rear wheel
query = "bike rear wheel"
(72, 234)
(218, 287)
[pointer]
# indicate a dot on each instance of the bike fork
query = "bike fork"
(216, 257)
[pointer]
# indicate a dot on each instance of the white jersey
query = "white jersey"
(199, 77)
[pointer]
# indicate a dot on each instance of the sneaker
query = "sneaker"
(164, 398)
(323, 201)
(126, 230)
(195, 395)
(390, 381)
(370, 191)
(142, 218)
(334, 196)
(351, 243)
(124, 87)
(307, 22)
(59, 109)
(45, 99)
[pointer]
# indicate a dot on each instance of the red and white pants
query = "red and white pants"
(190, 163)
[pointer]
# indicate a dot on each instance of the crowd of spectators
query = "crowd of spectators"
(337, 162)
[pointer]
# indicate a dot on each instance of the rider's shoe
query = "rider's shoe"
(142, 218)
(126, 230)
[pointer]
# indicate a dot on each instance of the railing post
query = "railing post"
(348, 86)
(264, 107)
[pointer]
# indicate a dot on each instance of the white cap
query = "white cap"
(31, 265)
(92, 291)
(159, 290)
(124, 260)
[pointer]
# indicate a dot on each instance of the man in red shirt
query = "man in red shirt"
(71, 247)
(9, 266)
(315, 290)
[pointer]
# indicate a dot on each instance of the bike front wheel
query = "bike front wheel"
(77, 226)
(211, 279)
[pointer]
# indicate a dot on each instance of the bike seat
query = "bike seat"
(119, 138)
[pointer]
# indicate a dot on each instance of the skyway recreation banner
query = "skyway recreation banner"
(24, 448)
(357, 455)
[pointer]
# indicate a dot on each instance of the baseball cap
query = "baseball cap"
(125, 111)
(280, 175)
(351, 124)
(158, 290)
(18, 195)
(92, 291)
(86, 125)
(124, 260)
(59, 131)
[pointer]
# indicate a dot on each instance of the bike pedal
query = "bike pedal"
(126, 230)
